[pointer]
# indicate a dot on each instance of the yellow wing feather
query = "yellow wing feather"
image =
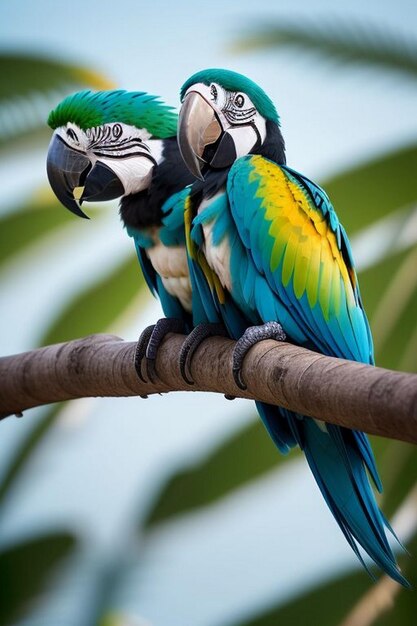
(304, 241)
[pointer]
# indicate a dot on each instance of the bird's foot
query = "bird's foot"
(140, 351)
(192, 342)
(252, 336)
(149, 342)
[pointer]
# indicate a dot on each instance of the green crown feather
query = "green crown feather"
(88, 109)
(233, 81)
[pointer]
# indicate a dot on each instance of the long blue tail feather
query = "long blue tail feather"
(346, 489)
(368, 457)
(338, 459)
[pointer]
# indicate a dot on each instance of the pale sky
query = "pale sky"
(94, 473)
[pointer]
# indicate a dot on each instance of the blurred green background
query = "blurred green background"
(178, 511)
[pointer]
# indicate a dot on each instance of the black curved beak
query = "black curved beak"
(67, 170)
(198, 127)
(102, 184)
(74, 179)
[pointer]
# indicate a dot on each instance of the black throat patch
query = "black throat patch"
(144, 209)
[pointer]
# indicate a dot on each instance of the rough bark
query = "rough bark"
(372, 399)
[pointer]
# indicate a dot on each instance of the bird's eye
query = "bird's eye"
(117, 131)
(72, 134)
(239, 101)
(213, 92)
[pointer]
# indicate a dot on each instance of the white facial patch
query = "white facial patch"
(244, 141)
(236, 112)
(134, 168)
(134, 172)
(128, 151)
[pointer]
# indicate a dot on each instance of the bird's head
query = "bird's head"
(224, 116)
(105, 145)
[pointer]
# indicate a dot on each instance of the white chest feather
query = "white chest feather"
(171, 264)
(218, 256)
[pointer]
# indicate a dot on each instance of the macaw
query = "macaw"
(119, 144)
(269, 258)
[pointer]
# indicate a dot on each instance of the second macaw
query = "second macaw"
(120, 144)
(269, 257)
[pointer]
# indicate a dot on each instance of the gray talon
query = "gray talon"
(150, 369)
(192, 342)
(252, 336)
(149, 343)
(140, 351)
(237, 376)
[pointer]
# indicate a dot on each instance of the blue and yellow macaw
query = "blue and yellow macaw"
(269, 257)
(119, 144)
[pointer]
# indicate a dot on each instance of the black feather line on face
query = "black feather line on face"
(143, 209)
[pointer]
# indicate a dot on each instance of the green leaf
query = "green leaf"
(404, 610)
(241, 458)
(26, 569)
(389, 292)
(408, 359)
(372, 190)
(324, 606)
(351, 42)
(22, 74)
(393, 321)
(41, 215)
(96, 308)
(329, 603)
(397, 465)
(30, 86)
(113, 619)
(25, 451)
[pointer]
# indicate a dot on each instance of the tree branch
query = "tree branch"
(372, 399)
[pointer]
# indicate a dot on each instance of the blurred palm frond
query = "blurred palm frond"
(353, 42)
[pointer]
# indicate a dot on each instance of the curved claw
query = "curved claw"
(185, 359)
(252, 336)
(150, 370)
(140, 351)
(149, 342)
(192, 342)
(161, 329)
(237, 377)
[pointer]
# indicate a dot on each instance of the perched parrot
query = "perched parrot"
(269, 257)
(119, 144)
